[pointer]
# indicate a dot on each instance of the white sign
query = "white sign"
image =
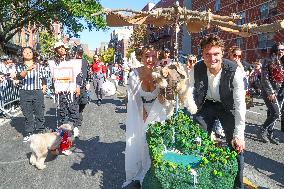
(64, 74)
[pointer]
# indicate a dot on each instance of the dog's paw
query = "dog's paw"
(191, 106)
(40, 166)
(67, 152)
(32, 160)
(76, 132)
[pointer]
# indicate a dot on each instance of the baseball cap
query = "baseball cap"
(59, 44)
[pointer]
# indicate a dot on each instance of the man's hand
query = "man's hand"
(44, 89)
(272, 98)
(77, 92)
(2, 78)
(238, 145)
(88, 86)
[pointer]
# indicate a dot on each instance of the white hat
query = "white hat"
(59, 44)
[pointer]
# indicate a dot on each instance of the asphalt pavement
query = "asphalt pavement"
(98, 160)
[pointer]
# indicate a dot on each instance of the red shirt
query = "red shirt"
(98, 67)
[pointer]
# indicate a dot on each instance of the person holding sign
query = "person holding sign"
(65, 73)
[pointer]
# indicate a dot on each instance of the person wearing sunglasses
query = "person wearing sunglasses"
(272, 81)
(165, 59)
(191, 61)
(217, 89)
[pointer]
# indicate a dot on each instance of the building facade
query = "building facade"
(256, 11)
(120, 42)
(166, 37)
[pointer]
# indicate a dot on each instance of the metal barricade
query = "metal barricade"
(9, 93)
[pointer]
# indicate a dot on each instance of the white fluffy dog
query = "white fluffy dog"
(173, 81)
(41, 143)
(108, 88)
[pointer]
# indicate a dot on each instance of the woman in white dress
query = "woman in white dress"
(143, 108)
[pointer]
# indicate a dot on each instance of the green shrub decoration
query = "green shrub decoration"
(177, 152)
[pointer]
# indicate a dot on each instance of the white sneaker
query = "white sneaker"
(27, 138)
(220, 131)
(67, 152)
(76, 132)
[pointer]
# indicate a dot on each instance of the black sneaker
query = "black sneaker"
(135, 184)
(99, 102)
(273, 139)
(263, 136)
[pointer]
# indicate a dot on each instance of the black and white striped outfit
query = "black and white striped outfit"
(8, 92)
(32, 98)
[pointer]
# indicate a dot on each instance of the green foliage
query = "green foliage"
(47, 41)
(88, 58)
(139, 37)
(217, 168)
(107, 56)
(74, 15)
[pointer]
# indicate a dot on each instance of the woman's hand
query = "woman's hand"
(44, 89)
(161, 98)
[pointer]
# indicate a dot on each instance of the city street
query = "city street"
(98, 160)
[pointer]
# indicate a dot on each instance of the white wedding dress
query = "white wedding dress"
(137, 159)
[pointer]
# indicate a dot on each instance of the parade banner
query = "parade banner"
(64, 74)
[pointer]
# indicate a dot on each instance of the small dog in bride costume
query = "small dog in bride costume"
(42, 143)
(172, 80)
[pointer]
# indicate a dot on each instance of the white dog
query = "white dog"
(173, 81)
(41, 143)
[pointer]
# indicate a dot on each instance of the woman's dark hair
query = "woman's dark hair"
(234, 48)
(274, 48)
(139, 51)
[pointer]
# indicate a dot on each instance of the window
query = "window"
(217, 5)
(264, 11)
(265, 40)
(239, 42)
(243, 18)
(203, 8)
(273, 8)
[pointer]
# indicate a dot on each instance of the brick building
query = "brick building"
(165, 36)
(256, 11)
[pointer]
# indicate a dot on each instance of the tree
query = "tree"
(139, 37)
(47, 41)
(107, 56)
(88, 58)
(74, 15)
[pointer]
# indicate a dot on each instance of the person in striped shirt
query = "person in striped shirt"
(32, 88)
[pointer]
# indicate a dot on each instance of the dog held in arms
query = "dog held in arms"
(172, 81)
(40, 144)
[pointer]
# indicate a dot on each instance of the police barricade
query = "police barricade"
(9, 95)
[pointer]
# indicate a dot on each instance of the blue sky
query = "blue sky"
(94, 38)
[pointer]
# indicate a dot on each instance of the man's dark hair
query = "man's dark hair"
(213, 40)
(274, 48)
